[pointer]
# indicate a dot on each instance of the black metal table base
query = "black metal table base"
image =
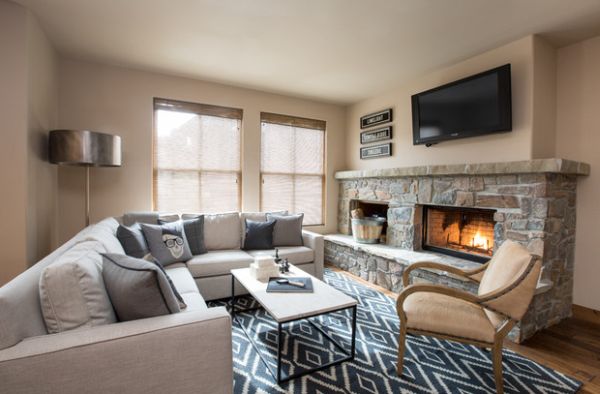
(278, 374)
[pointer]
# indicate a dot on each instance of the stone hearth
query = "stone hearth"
(534, 203)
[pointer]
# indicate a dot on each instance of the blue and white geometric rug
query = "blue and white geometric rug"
(430, 366)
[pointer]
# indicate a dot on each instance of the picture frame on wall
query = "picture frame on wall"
(376, 118)
(375, 151)
(381, 134)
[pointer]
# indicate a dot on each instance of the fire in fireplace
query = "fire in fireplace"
(461, 232)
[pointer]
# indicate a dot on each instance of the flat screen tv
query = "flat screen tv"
(477, 105)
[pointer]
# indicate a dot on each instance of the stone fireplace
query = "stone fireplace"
(459, 215)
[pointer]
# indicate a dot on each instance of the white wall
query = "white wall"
(120, 101)
(578, 138)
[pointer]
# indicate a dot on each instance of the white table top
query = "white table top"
(285, 307)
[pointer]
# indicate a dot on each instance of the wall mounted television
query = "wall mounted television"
(476, 105)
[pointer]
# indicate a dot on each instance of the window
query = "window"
(196, 157)
(292, 166)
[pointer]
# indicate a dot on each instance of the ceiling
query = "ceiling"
(339, 51)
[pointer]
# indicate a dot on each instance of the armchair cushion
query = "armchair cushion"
(447, 315)
(509, 281)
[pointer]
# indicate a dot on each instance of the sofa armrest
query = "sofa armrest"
(317, 244)
(184, 352)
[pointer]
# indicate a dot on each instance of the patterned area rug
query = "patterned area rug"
(431, 365)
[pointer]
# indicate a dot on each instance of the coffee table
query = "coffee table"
(291, 307)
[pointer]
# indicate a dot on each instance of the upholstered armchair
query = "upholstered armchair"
(506, 286)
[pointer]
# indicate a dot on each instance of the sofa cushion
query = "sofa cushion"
(72, 292)
(149, 217)
(222, 231)
(288, 229)
(137, 288)
(182, 278)
(132, 240)
(105, 232)
(296, 254)
(167, 242)
(259, 234)
(218, 262)
(194, 302)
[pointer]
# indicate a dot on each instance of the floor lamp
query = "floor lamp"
(87, 149)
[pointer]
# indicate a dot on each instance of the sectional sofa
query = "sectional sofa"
(186, 352)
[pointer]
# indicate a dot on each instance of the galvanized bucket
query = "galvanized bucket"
(367, 230)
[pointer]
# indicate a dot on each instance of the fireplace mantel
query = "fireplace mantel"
(554, 165)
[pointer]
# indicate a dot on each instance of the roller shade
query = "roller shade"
(292, 168)
(197, 165)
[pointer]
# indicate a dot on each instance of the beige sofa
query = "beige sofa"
(186, 352)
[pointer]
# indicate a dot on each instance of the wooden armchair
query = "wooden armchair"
(506, 286)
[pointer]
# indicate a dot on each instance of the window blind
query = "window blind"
(292, 166)
(197, 164)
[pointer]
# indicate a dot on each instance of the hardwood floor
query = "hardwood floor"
(571, 346)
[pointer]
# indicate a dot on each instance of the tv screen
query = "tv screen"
(477, 105)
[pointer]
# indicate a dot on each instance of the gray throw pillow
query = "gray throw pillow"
(288, 229)
(137, 288)
(194, 233)
(168, 243)
(133, 241)
(259, 235)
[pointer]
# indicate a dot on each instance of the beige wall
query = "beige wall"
(118, 100)
(544, 100)
(516, 145)
(578, 138)
(13, 125)
(42, 117)
(28, 108)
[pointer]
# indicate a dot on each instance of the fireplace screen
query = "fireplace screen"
(462, 232)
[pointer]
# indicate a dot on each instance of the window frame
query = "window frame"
(300, 122)
(201, 110)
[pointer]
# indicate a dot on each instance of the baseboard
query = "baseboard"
(586, 314)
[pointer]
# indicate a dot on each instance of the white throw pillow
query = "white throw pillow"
(222, 231)
(72, 292)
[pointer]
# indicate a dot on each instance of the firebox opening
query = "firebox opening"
(372, 209)
(460, 232)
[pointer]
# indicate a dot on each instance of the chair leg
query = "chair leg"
(401, 348)
(497, 363)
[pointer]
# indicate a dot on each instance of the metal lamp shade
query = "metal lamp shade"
(84, 148)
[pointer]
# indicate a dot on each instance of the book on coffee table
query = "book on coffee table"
(294, 285)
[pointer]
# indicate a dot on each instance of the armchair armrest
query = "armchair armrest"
(472, 274)
(183, 352)
(317, 244)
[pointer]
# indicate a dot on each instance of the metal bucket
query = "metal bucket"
(367, 230)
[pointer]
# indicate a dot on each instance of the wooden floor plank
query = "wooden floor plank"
(571, 346)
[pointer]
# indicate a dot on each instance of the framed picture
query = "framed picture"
(371, 152)
(385, 133)
(376, 118)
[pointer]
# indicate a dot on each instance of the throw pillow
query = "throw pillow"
(259, 235)
(168, 243)
(180, 300)
(72, 291)
(194, 233)
(256, 216)
(288, 229)
(133, 241)
(137, 288)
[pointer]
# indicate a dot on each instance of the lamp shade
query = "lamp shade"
(84, 148)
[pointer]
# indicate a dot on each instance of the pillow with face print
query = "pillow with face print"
(167, 242)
